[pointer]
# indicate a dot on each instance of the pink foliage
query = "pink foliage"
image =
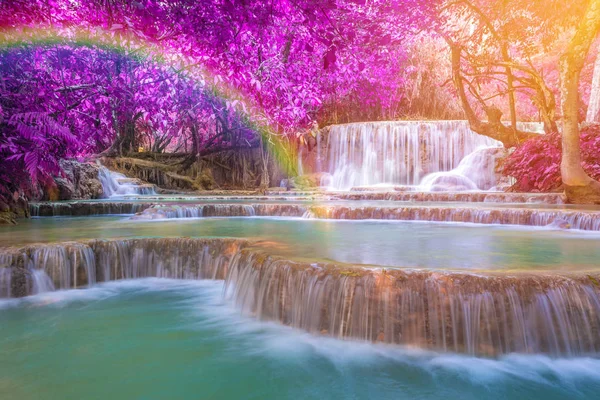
(536, 164)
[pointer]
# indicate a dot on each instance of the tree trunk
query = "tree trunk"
(593, 112)
(493, 128)
(579, 187)
(193, 156)
(264, 155)
(511, 89)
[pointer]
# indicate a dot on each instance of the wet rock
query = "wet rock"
(7, 218)
(66, 190)
(20, 284)
(12, 208)
(79, 181)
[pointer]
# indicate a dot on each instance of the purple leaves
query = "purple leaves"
(329, 58)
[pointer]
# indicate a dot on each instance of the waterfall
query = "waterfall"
(41, 282)
(483, 314)
(475, 171)
(220, 210)
(69, 265)
(5, 282)
(404, 152)
(463, 197)
(85, 208)
(116, 184)
(573, 219)
(583, 220)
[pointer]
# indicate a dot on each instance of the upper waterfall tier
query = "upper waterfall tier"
(404, 152)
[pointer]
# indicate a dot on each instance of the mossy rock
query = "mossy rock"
(7, 218)
(206, 181)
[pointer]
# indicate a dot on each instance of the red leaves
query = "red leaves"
(536, 164)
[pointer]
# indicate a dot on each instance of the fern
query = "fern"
(41, 126)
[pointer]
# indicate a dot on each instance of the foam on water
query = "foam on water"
(389, 371)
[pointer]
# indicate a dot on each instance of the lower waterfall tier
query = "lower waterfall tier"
(483, 314)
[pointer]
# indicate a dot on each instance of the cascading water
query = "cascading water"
(452, 312)
(469, 313)
(474, 172)
(572, 219)
(41, 282)
(86, 208)
(116, 184)
(583, 220)
(221, 210)
(404, 152)
(5, 282)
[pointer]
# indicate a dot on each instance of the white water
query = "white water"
(474, 172)
(116, 184)
(273, 343)
(405, 152)
(41, 282)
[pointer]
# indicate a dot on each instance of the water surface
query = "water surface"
(165, 339)
(385, 243)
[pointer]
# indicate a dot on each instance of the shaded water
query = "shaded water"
(157, 339)
(393, 243)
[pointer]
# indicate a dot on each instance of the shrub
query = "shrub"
(536, 163)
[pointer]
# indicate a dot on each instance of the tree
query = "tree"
(579, 187)
(593, 113)
(63, 100)
(500, 56)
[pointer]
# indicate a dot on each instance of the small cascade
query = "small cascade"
(85, 208)
(451, 312)
(482, 314)
(475, 172)
(462, 197)
(116, 184)
(221, 210)
(583, 220)
(180, 258)
(41, 282)
(62, 266)
(5, 282)
(70, 265)
(403, 152)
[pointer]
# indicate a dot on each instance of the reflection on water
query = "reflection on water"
(394, 244)
(163, 339)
